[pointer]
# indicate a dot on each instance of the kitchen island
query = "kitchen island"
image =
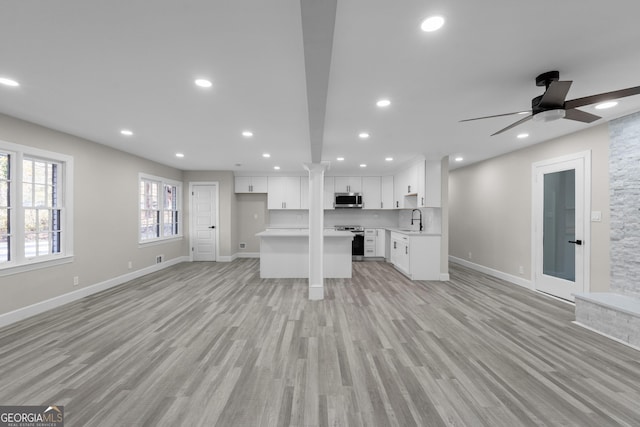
(284, 253)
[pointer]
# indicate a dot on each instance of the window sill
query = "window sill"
(35, 265)
(160, 241)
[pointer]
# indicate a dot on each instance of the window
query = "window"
(35, 199)
(160, 208)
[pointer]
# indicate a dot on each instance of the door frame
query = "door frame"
(536, 209)
(216, 232)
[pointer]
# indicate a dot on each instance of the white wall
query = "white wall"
(490, 206)
(105, 217)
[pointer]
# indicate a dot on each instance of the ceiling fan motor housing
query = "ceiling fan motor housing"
(545, 79)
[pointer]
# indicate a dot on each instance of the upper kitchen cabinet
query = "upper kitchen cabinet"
(250, 184)
(329, 194)
(405, 188)
(348, 184)
(431, 196)
(284, 192)
(386, 192)
(418, 186)
(371, 192)
(304, 192)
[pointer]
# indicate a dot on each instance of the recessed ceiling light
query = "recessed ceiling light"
(203, 83)
(266, 155)
(383, 103)
(277, 168)
(433, 23)
(523, 135)
(126, 132)
(458, 159)
(340, 159)
(605, 105)
(363, 135)
(180, 155)
(362, 165)
(8, 82)
(389, 159)
(247, 133)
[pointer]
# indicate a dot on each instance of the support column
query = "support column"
(316, 229)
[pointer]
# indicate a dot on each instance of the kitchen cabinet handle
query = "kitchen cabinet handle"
(397, 204)
(381, 205)
(394, 245)
(406, 250)
(408, 189)
(422, 201)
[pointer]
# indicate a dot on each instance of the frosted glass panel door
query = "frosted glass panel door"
(561, 202)
(559, 225)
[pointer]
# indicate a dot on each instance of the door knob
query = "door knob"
(213, 226)
(577, 242)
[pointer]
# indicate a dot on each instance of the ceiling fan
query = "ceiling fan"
(551, 105)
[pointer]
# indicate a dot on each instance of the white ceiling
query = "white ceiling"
(92, 68)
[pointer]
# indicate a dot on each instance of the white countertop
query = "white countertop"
(302, 232)
(412, 232)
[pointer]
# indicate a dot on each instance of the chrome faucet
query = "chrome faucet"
(420, 212)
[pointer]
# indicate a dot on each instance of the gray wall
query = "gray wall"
(252, 218)
(625, 205)
(490, 206)
(105, 217)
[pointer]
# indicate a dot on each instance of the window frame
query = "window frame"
(160, 226)
(18, 262)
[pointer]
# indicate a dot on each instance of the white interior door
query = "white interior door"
(204, 222)
(561, 229)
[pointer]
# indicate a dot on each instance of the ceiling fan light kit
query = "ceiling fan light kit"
(552, 104)
(549, 115)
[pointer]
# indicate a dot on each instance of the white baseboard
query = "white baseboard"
(226, 258)
(444, 277)
(41, 307)
(492, 272)
(248, 255)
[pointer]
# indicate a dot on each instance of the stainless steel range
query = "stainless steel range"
(357, 246)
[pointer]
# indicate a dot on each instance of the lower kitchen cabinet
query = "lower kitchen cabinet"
(374, 242)
(416, 256)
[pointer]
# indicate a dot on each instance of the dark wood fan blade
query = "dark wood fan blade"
(519, 122)
(556, 94)
(602, 97)
(496, 115)
(580, 116)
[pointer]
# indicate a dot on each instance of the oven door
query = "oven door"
(357, 246)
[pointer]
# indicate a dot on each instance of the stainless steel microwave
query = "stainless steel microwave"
(348, 200)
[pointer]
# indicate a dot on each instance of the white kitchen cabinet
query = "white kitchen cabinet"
(374, 242)
(329, 192)
(405, 188)
(371, 192)
(304, 192)
(417, 256)
(381, 240)
(386, 192)
(283, 192)
(348, 184)
(250, 184)
(432, 185)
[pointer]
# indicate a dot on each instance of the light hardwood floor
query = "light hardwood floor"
(211, 344)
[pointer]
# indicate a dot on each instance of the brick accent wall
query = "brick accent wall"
(624, 170)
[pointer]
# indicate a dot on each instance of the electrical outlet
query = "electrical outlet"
(159, 259)
(130, 265)
(470, 256)
(243, 245)
(76, 280)
(521, 270)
